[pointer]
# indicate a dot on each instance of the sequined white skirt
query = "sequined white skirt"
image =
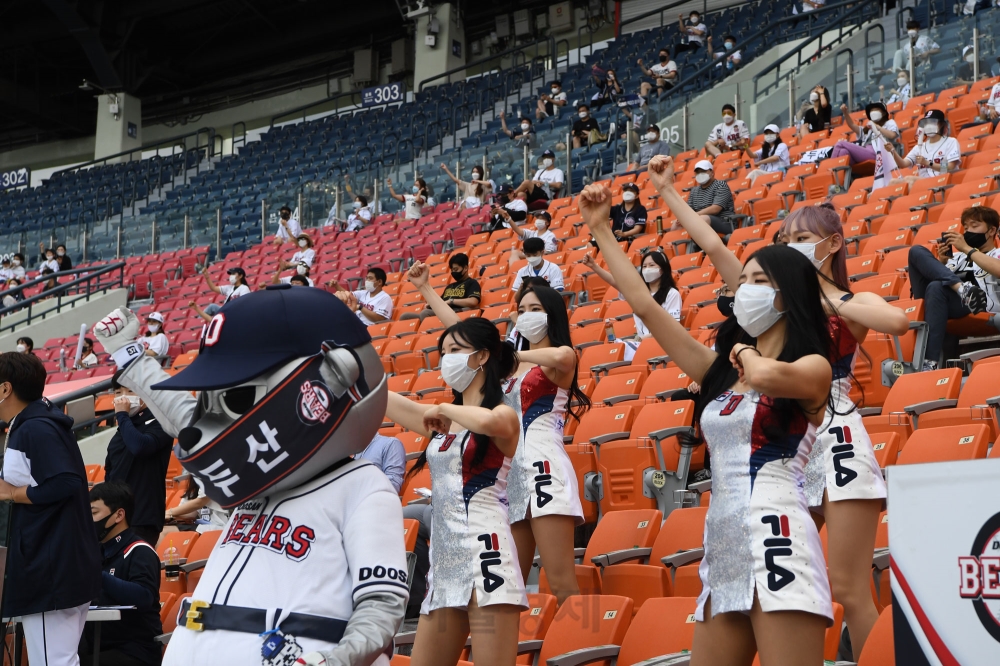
(542, 475)
(842, 461)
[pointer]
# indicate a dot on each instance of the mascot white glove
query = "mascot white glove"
(117, 333)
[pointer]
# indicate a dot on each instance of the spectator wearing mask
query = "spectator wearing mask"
(360, 215)
(548, 104)
(463, 293)
(878, 123)
(388, 454)
(17, 265)
(12, 297)
(288, 226)
(664, 74)
(237, 287)
(304, 255)
(712, 198)
(545, 185)
(730, 134)
(475, 192)
(935, 153)
(50, 284)
(155, 340)
(991, 107)
(6, 272)
(130, 576)
(772, 156)
(301, 276)
(693, 33)
(412, 202)
(25, 345)
(48, 262)
(509, 208)
(541, 230)
(815, 112)
(523, 135)
(628, 219)
(538, 266)
(955, 285)
(652, 146)
(921, 46)
(88, 359)
(609, 89)
(727, 56)
(965, 74)
(65, 263)
(53, 558)
(811, 5)
(901, 93)
(138, 455)
(372, 304)
(585, 128)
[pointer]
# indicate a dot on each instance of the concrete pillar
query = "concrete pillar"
(448, 51)
(121, 131)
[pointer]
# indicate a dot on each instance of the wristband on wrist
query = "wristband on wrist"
(743, 350)
(127, 354)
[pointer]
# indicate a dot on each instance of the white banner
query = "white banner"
(885, 165)
(944, 541)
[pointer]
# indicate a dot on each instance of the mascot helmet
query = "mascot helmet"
(289, 384)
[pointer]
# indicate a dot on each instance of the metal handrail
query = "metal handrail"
(311, 105)
(482, 61)
(672, 5)
(140, 149)
(87, 276)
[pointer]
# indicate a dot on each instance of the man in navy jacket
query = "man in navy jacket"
(53, 562)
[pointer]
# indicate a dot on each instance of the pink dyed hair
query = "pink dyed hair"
(823, 221)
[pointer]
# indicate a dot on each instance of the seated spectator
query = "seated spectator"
(523, 135)
(198, 508)
(965, 74)
(65, 263)
(463, 293)
(548, 105)
(955, 285)
(652, 146)
(935, 152)
(17, 265)
(609, 89)
(901, 93)
(727, 55)
(25, 345)
(12, 297)
(237, 287)
(991, 107)
(372, 304)
(712, 198)
(304, 255)
(51, 286)
(730, 134)
(538, 266)
(475, 192)
(155, 339)
(130, 576)
(921, 46)
(628, 219)
(508, 209)
(412, 202)
(299, 281)
(301, 275)
(541, 230)
(586, 129)
(545, 185)
(48, 262)
(815, 112)
(360, 215)
(388, 454)
(6, 272)
(772, 156)
(288, 226)
(862, 149)
(88, 359)
(693, 33)
(663, 73)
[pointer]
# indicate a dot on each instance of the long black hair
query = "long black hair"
(480, 334)
(768, 149)
(555, 308)
(807, 332)
(666, 278)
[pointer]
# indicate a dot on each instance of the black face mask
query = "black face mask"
(725, 305)
(101, 529)
(457, 276)
(974, 239)
(663, 58)
(285, 216)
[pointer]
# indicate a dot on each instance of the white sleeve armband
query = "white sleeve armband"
(127, 354)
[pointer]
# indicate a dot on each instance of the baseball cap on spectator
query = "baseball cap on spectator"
(505, 189)
(934, 114)
(543, 214)
(548, 153)
(155, 316)
(631, 187)
(872, 106)
(704, 165)
(236, 270)
(772, 128)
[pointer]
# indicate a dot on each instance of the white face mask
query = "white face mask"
(809, 250)
(61, 253)
(703, 177)
(652, 136)
(525, 127)
(931, 129)
(21, 349)
(901, 82)
(728, 119)
(628, 196)
(534, 326)
(770, 138)
(369, 286)
(754, 308)
(455, 371)
(303, 243)
(48, 257)
(540, 225)
(876, 116)
(547, 162)
(535, 261)
(133, 404)
(356, 205)
(651, 274)
(232, 279)
(970, 57)
(16, 262)
(912, 33)
(814, 97)
(154, 328)
(301, 270)
(555, 91)
(583, 114)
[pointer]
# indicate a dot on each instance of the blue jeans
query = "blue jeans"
(213, 309)
(931, 280)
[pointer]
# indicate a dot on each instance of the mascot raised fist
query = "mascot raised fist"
(311, 567)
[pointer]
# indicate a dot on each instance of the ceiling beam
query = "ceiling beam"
(90, 42)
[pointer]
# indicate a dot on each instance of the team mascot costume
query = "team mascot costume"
(311, 568)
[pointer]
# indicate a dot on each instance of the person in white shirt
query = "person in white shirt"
(878, 121)
(288, 226)
(772, 156)
(305, 254)
(730, 134)
(155, 341)
(901, 93)
(810, 6)
(360, 216)
(88, 358)
(545, 185)
(922, 46)
(473, 193)
(237, 287)
(548, 105)
(412, 202)
(663, 73)
(372, 304)
(508, 209)
(727, 56)
(991, 106)
(534, 251)
(17, 266)
(6, 272)
(301, 276)
(692, 33)
(49, 262)
(935, 153)
(541, 230)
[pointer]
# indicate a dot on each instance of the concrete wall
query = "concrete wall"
(95, 449)
(433, 60)
(112, 130)
(62, 324)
